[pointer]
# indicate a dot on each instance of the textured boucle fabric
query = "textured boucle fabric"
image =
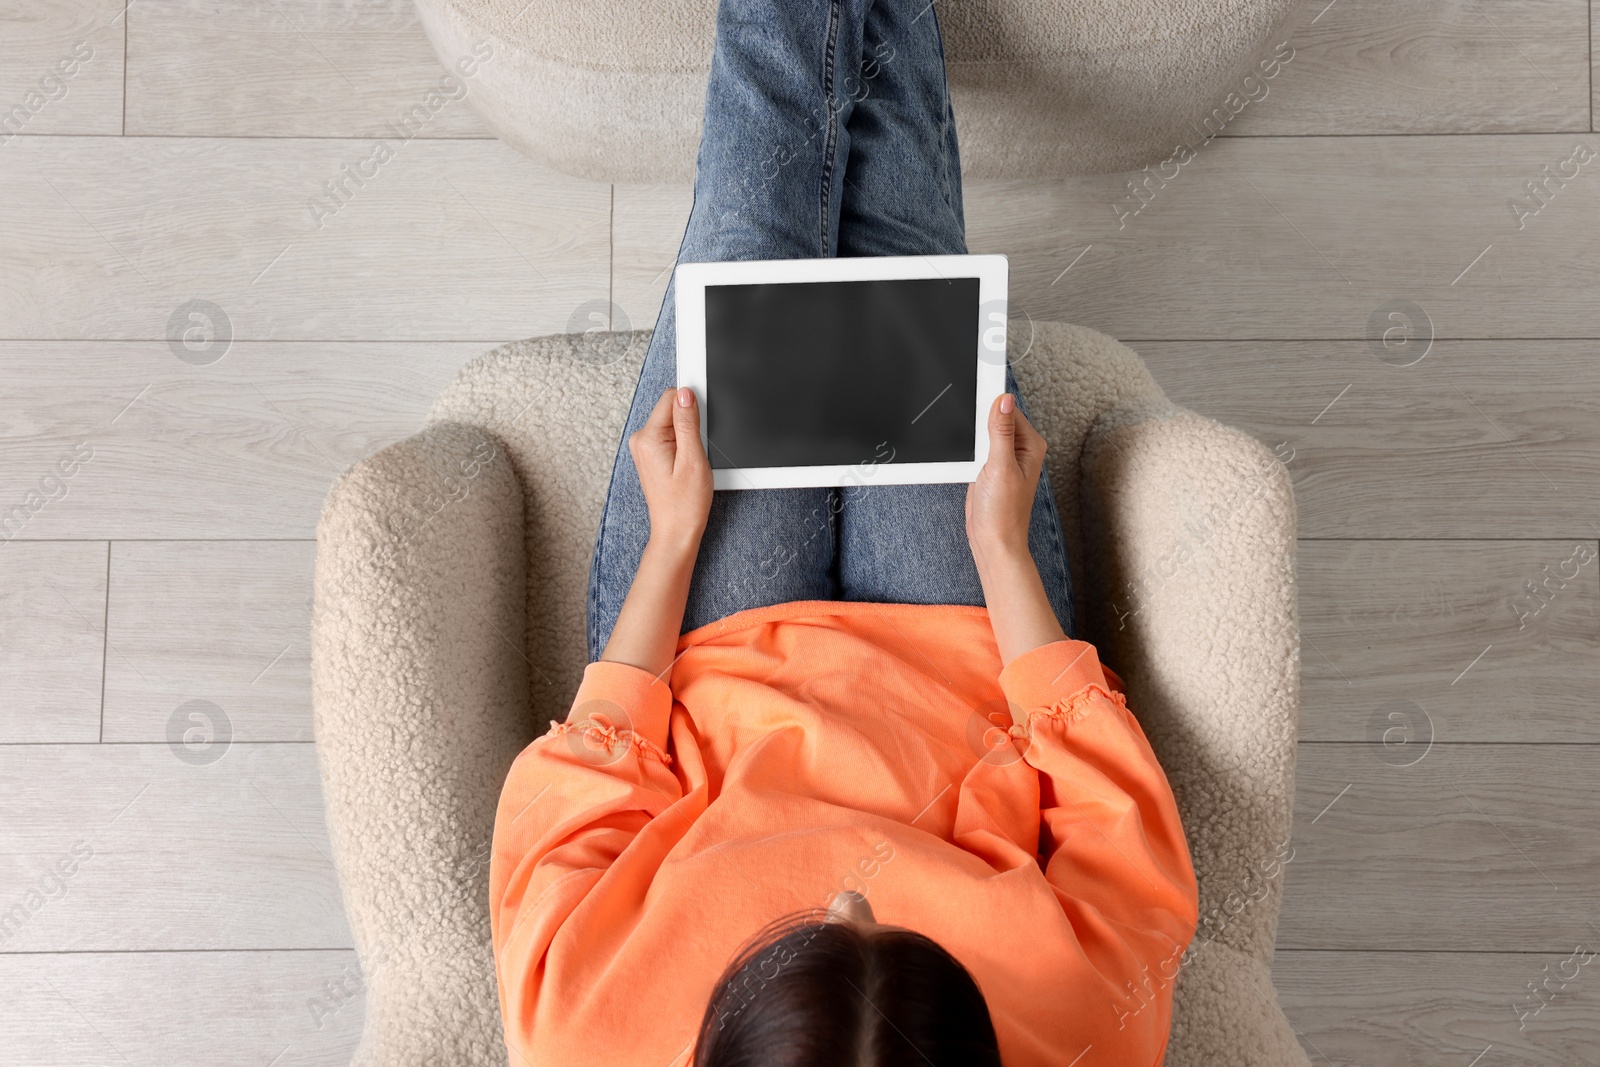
(449, 630)
(1041, 87)
(419, 694)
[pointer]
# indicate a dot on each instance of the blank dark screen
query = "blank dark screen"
(822, 373)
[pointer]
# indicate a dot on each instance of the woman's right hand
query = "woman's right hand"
(1000, 501)
(999, 506)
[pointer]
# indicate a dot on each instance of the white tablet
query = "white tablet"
(831, 372)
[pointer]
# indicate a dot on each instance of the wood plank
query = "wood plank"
(52, 630)
(243, 448)
(1479, 439)
(63, 68)
(1447, 636)
(223, 622)
(1472, 847)
(1308, 237)
(447, 240)
(1440, 1009)
(648, 224)
(1428, 66)
(156, 1010)
(1267, 237)
(172, 854)
(291, 68)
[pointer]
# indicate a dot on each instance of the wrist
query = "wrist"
(1002, 554)
(676, 547)
(1019, 609)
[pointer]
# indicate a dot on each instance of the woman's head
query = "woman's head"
(843, 990)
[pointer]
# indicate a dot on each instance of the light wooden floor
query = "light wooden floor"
(201, 916)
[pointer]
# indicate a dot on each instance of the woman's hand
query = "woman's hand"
(673, 470)
(999, 505)
(676, 479)
(1000, 501)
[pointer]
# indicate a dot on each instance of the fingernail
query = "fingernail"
(1006, 404)
(685, 396)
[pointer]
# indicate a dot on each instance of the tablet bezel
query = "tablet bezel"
(691, 280)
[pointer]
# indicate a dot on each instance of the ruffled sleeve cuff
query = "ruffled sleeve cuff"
(619, 705)
(1057, 680)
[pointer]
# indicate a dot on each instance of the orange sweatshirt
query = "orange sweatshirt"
(819, 746)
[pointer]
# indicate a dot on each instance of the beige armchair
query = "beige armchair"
(449, 629)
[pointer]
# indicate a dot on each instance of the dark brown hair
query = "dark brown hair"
(812, 993)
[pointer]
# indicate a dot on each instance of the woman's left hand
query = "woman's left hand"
(673, 470)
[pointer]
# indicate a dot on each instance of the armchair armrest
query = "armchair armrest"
(1192, 600)
(420, 694)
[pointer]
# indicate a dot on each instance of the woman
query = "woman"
(851, 815)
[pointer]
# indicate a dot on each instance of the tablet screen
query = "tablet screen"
(820, 373)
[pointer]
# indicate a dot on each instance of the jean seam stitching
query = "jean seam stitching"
(946, 117)
(1063, 572)
(595, 574)
(830, 144)
(596, 571)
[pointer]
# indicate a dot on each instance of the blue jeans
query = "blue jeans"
(828, 132)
